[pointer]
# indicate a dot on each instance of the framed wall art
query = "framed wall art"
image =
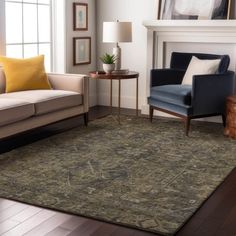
(81, 50)
(159, 8)
(80, 16)
(192, 9)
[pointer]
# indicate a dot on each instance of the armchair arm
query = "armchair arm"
(166, 76)
(71, 82)
(209, 92)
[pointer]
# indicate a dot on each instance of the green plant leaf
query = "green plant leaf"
(108, 58)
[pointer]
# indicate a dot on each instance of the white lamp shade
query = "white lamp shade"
(115, 32)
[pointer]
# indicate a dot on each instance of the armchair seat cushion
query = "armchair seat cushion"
(46, 101)
(173, 94)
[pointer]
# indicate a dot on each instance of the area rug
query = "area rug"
(138, 174)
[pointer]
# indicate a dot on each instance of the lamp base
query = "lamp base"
(117, 53)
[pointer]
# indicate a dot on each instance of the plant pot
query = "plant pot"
(108, 68)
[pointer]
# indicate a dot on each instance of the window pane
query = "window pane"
(44, 1)
(30, 23)
(45, 49)
(13, 22)
(14, 51)
(30, 50)
(44, 23)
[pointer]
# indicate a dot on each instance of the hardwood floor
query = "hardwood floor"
(216, 217)
(21, 219)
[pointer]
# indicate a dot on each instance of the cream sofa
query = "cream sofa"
(26, 110)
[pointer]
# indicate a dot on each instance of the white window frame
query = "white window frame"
(2, 28)
(59, 35)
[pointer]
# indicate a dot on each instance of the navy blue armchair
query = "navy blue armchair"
(205, 97)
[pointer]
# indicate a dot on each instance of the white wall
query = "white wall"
(82, 69)
(133, 54)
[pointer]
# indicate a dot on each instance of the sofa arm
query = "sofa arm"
(71, 82)
(209, 92)
(166, 76)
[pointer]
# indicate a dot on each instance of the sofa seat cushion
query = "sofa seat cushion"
(46, 101)
(173, 94)
(13, 110)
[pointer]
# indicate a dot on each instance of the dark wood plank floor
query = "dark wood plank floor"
(216, 217)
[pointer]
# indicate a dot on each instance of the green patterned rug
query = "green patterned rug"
(148, 176)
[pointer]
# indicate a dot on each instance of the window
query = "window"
(28, 29)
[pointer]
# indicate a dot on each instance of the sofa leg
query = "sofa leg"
(86, 119)
(224, 119)
(187, 125)
(151, 113)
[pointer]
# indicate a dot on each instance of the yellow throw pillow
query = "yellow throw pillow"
(24, 74)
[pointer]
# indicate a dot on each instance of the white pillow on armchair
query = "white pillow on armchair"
(200, 67)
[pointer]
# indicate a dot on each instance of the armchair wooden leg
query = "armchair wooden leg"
(224, 119)
(151, 113)
(187, 125)
(86, 119)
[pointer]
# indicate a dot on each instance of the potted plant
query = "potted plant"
(108, 62)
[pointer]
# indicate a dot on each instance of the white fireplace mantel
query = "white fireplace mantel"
(194, 31)
(191, 25)
(160, 32)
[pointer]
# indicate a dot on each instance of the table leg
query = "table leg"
(97, 91)
(111, 97)
(119, 101)
(136, 96)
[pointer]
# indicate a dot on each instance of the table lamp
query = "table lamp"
(117, 32)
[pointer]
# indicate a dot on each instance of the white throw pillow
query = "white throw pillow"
(200, 67)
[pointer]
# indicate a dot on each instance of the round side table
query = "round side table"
(230, 129)
(116, 76)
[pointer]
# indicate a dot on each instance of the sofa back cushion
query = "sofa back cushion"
(181, 60)
(2, 81)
